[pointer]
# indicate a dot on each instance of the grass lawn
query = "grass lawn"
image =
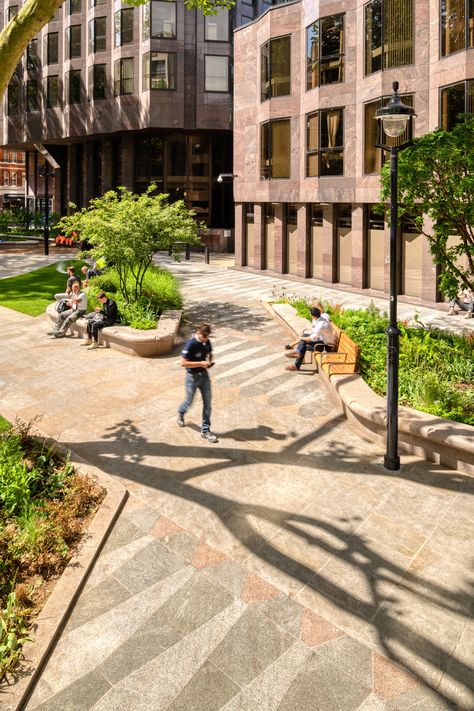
(30, 293)
(4, 424)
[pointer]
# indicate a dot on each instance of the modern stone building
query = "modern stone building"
(309, 77)
(123, 95)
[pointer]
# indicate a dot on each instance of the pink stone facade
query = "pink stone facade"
(349, 252)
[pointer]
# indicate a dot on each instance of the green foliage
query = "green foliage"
(436, 372)
(436, 178)
(16, 479)
(160, 291)
(128, 229)
(13, 633)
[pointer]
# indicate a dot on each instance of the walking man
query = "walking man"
(196, 357)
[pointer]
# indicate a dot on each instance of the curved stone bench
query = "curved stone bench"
(434, 438)
(154, 342)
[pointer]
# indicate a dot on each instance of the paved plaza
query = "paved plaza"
(280, 569)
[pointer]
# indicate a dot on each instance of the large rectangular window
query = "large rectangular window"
(11, 12)
(457, 25)
(275, 149)
(74, 6)
(32, 95)
(159, 19)
(216, 27)
(372, 155)
(388, 27)
(74, 86)
(325, 51)
(94, 3)
(325, 143)
(32, 59)
(52, 91)
(51, 46)
(275, 68)
(73, 41)
(98, 34)
(456, 100)
(123, 76)
(98, 81)
(123, 25)
(216, 73)
(13, 99)
(159, 70)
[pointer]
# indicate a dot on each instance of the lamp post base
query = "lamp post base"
(391, 463)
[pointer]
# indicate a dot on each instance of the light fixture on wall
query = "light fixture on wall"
(226, 176)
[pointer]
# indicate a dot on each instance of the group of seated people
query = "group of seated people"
(320, 338)
(463, 302)
(75, 302)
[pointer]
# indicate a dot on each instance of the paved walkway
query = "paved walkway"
(282, 568)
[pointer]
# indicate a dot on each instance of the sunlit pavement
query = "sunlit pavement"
(282, 568)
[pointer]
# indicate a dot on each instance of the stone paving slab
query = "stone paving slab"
(288, 527)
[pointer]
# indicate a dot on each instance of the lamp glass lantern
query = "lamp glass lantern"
(395, 118)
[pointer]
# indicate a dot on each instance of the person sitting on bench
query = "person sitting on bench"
(320, 339)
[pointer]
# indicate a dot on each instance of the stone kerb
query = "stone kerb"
(434, 438)
(145, 344)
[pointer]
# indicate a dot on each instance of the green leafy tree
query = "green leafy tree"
(35, 14)
(127, 229)
(436, 178)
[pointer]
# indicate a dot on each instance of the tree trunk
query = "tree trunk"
(16, 35)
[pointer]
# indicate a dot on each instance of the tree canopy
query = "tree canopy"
(127, 229)
(436, 179)
(35, 14)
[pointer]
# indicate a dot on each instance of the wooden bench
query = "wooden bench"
(342, 361)
(153, 342)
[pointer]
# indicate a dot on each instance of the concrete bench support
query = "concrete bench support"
(132, 341)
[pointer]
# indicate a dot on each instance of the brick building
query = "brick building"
(12, 179)
(309, 77)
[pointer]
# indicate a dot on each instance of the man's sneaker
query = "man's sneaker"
(93, 346)
(52, 333)
(210, 436)
(452, 312)
(59, 334)
(180, 420)
(87, 342)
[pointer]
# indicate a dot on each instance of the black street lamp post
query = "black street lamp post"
(394, 119)
(45, 172)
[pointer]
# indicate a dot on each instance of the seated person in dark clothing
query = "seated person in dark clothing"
(321, 338)
(101, 317)
(72, 277)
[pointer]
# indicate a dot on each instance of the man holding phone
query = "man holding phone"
(196, 357)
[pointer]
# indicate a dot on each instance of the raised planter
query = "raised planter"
(434, 438)
(145, 344)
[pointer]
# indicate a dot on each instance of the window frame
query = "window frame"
(269, 144)
(321, 150)
(94, 37)
(120, 81)
(70, 75)
(32, 97)
(266, 47)
(320, 59)
(74, 7)
(209, 17)
(48, 48)
(467, 46)
(147, 28)
(119, 26)
(13, 85)
(94, 95)
(409, 99)
(70, 44)
(50, 105)
(383, 42)
(32, 58)
(465, 83)
(216, 91)
(147, 77)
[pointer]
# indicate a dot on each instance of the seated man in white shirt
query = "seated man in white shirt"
(464, 302)
(321, 338)
(77, 304)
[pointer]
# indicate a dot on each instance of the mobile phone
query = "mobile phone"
(211, 364)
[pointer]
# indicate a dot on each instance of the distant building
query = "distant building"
(12, 179)
(308, 78)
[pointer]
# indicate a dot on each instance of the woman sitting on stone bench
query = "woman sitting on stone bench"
(320, 339)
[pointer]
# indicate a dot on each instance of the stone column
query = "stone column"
(128, 160)
(281, 261)
(303, 242)
(106, 164)
(239, 235)
(258, 226)
(329, 238)
(358, 241)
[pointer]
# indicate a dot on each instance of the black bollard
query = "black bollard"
(187, 252)
(206, 255)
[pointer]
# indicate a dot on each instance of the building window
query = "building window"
(275, 66)
(275, 149)
(13, 99)
(123, 76)
(74, 85)
(94, 3)
(32, 99)
(14, 157)
(216, 73)
(159, 70)
(73, 41)
(457, 25)
(159, 19)
(52, 91)
(11, 12)
(51, 41)
(123, 22)
(6, 178)
(325, 51)
(216, 27)
(388, 28)
(456, 100)
(32, 55)
(98, 81)
(74, 6)
(372, 155)
(14, 179)
(325, 143)
(98, 35)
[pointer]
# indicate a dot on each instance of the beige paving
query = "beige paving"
(282, 568)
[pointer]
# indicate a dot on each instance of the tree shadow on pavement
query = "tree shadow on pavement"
(385, 580)
(222, 313)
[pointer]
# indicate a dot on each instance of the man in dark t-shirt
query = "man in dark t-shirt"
(196, 357)
(71, 278)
